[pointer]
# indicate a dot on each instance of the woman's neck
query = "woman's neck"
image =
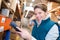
(39, 21)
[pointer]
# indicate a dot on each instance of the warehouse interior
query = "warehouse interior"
(22, 11)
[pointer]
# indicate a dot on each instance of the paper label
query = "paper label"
(1, 28)
(3, 20)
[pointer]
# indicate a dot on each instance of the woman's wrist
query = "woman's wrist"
(29, 38)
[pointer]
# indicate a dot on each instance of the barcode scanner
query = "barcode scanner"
(14, 26)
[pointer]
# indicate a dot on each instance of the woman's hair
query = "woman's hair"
(41, 6)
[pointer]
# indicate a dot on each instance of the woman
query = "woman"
(44, 28)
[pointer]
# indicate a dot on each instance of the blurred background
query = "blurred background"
(22, 11)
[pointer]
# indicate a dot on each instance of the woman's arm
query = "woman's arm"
(53, 33)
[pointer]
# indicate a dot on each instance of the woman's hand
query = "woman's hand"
(24, 34)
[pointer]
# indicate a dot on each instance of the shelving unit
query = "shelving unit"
(11, 5)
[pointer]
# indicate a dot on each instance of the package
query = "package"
(5, 12)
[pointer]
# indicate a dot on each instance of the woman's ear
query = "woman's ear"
(46, 13)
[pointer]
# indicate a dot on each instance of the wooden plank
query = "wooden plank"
(0, 3)
(6, 4)
(13, 5)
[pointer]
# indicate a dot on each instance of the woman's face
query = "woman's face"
(39, 14)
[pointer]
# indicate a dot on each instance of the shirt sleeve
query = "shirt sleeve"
(33, 38)
(53, 33)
